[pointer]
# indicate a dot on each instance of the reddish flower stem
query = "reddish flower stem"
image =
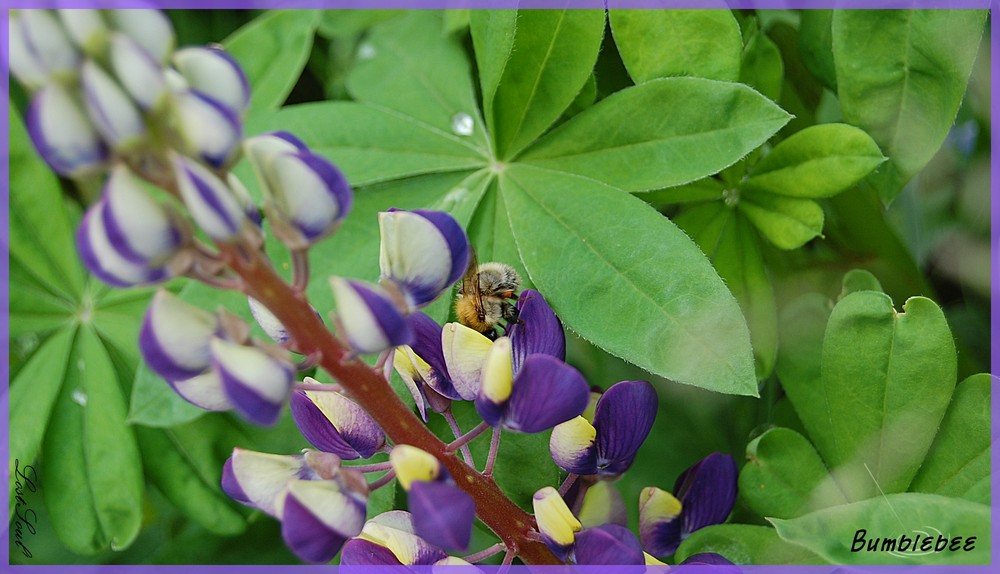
(374, 394)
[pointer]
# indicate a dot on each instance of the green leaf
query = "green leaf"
(831, 532)
(819, 161)
(93, 485)
(34, 309)
(816, 45)
(677, 129)
(887, 378)
(762, 67)
(801, 326)
(734, 249)
(549, 59)
(370, 143)
(859, 280)
(409, 64)
(901, 75)
(273, 49)
(651, 296)
(784, 476)
(190, 480)
(661, 43)
(958, 463)
(706, 189)
(489, 232)
(346, 23)
(33, 394)
(787, 222)
(41, 231)
(456, 21)
(745, 544)
(493, 41)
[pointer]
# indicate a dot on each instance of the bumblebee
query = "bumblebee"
(484, 297)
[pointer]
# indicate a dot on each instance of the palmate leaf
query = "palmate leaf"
(901, 75)
(272, 50)
(831, 531)
(539, 62)
(634, 284)
(662, 133)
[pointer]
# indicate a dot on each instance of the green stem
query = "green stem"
(370, 390)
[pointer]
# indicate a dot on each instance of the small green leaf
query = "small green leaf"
(787, 222)
(456, 21)
(901, 75)
(550, 58)
(169, 457)
(634, 284)
(273, 49)
(371, 143)
(958, 463)
(762, 67)
(93, 487)
(346, 23)
(489, 232)
(734, 249)
(677, 129)
(33, 394)
(410, 65)
(816, 45)
(801, 326)
(859, 280)
(42, 230)
(833, 531)
(887, 378)
(493, 41)
(706, 189)
(819, 161)
(784, 476)
(745, 544)
(661, 43)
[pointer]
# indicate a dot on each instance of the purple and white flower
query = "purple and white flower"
(442, 512)
(151, 29)
(370, 320)
(40, 50)
(423, 252)
(555, 521)
(318, 517)
(86, 27)
(390, 539)
(210, 130)
(703, 495)
(62, 133)
(256, 382)
(139, 73)
(211, 203)
(607, 445)
(105, 259)
(175, 335)
(214, 73)
(334, 423)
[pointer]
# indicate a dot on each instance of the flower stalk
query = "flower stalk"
(511, 524)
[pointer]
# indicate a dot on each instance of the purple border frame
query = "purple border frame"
(501, 4)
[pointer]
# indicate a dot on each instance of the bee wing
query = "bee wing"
(470, 283)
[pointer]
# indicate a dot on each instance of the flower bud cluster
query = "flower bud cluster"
(211, 361)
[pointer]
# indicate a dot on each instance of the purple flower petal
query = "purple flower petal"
(660, 521)
(103, 259)
(537, 329)
(623, 419)
(258, 479)
(361, 552)
(442, 514)
(394, 530)
(371, 321)
(114, 115)
(174, 339)
(140, 229)
(546, 392)
(211, 203)
(333, 423)
(424, 252)
(318, 517)
(427, 345)
(256, 383)
(603, 504)
(215, 73)
(707, 492)
(62, 133)
(609, 544)
(231, 485)
(310, 191)
(211, 130)
(203, 391)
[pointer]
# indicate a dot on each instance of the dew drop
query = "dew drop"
(366, 52)
(79, 397)
(26, 344)
(454, 196)
(462, 124)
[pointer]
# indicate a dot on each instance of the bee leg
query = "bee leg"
(491, 334)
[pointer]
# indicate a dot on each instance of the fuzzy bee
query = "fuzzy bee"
(484, 297)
